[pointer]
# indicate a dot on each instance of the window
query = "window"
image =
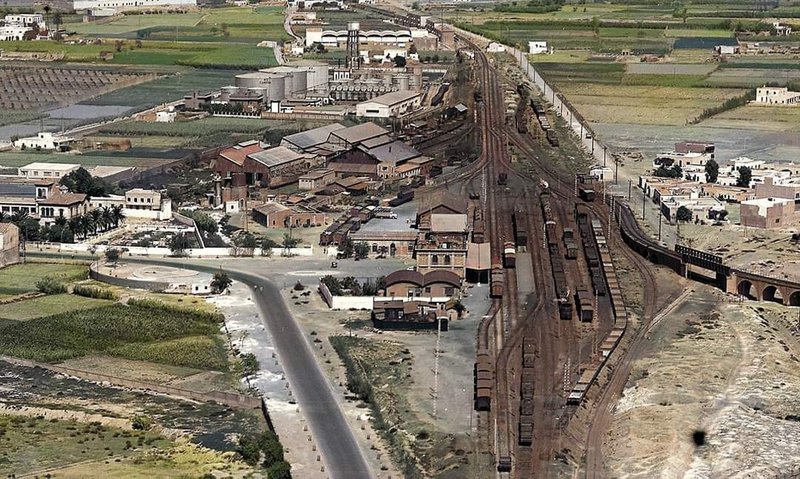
(374, 247)
(428, 290)
(447, 259)
(434, 259)
(449, 291)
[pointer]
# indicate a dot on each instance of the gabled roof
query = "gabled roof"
(393, 98)
(237, 154)
(275, 156)
(64, 199)
(359, 133)
(444, 199)
(395, 152)
(269, 208)
(313, 137)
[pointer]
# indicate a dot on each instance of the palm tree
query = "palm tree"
(86, 225)
(119, 215)
(60, 221)
(4, 217)
(108, 216)
(97, 219)
(19, 216)
(74, 225)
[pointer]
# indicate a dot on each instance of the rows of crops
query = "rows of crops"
(197, 128)
(130, 331)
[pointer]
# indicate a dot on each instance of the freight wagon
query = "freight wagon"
(498, 281)
(509, 254)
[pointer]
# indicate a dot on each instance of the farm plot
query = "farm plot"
(49, 305)
(643, 105)
(145, 330)
(752, 77)
(10, 117)
(17, 159)
(166, 89)
(197, 128)
(21, 278)
(759, 117)
(133, 23)
(23, 88)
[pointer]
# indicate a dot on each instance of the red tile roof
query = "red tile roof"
(237, 154)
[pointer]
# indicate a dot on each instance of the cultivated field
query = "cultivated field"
(29, 89)
(17, 159)
(759, 117)
(21, 278)
(48, 306)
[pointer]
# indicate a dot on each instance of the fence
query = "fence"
(230, 399)
(69, 248)
(345, 302)
(126, 282)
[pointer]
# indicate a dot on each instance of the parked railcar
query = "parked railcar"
(509, 254)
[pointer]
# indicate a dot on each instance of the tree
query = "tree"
(221, 282)
(97, 219)
(399, 61)
(289, 242)
(745, 176)
(50, 285)
(412, 49)
(266, 246)
(279, 470)
(118, 215)
(112, 255)
(81, 181)
(361, 249)
(178, 244)
(673, 172)
(596, 26)
(347, 248)
(684, 214)
(712, 171)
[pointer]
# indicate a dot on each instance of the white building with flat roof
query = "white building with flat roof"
(774, 95)
(392, 104)
(537, 47)
(47, 170)
(44, 141)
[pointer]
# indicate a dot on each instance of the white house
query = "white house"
(537, 47)
(392, 104)
(138, 203)
(602, 173)
(165, 116)
(13, 32)
(773, 95)
(47, 170)
(44, 141)
(495, 47)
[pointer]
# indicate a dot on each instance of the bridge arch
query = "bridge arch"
(772, 293)
(745, 288)
(794, 299)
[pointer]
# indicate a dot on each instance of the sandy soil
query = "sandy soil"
(727, 369)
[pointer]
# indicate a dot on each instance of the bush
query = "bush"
(93, 292)
(50, 285)
(141, 423)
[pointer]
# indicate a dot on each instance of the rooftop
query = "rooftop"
(276, 156)
(50, 166)
(394, 98)
(359, 133)
(17, 190)
(316, 174)
(395, 152)
(313, 137)
(237, 154)
(268, 208)
(64, 199)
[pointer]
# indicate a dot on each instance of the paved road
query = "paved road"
(340, 451)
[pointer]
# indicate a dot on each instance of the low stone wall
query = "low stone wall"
(126, 282)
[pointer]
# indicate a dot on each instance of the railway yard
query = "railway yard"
(549, 372)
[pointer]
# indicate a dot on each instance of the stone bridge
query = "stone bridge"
(764, 288)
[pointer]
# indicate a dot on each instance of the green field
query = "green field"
(21, 278)
(9, 117)
(48, 306)
(196, 128)
(166, 89)
(144, 331)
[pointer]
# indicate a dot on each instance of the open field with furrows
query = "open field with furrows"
(759, 117)
(10, 116)
(24, 88)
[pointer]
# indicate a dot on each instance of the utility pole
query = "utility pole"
(436, 364)
(659, 225)
(630, 185)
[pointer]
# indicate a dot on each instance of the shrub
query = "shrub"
(141, 423)
(93, 292)
(50, 285)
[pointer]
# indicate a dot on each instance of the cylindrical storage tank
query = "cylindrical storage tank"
(387, 78)
(353, 26)
(277, 87)
(300, 82)
(403, 82)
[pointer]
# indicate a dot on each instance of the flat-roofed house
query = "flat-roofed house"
(46, 170)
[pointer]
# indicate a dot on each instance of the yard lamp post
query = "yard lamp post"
(604, 155)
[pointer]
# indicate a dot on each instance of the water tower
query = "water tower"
(352, 45)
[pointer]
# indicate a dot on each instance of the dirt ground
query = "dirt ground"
(454, 406)
(724, 369)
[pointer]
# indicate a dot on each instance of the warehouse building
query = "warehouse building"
(391, 105)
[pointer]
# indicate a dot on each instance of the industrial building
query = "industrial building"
(390, 105)
(252, 164)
